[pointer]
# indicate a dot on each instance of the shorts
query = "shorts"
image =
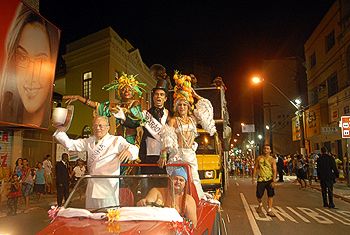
(26, 189)
(39, 188)
(260, 189)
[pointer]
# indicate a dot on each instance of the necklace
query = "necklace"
(187, 140)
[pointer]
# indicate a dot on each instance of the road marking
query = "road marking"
(299, 215)
(237, 184)
(252, 222)
(279, 212)
(228, 218)
(316, 216)
(328, 212)
(257, 216)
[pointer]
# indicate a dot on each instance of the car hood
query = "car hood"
(65, 226)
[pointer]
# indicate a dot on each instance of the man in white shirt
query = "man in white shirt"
(105, 154)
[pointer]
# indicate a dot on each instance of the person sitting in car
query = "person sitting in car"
(184, 203)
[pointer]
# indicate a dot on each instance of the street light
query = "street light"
(297, 104)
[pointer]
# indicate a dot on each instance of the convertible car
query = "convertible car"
(109, 205)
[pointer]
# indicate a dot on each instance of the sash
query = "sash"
(152, 125)
(98, 150)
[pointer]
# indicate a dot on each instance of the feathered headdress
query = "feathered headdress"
(125, 81)
(182, 89)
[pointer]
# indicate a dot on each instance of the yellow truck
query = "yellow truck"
(210, 161)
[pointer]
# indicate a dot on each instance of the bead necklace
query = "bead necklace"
(187, 140)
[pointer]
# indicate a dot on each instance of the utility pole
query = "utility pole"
(268, 106)
(302, 134)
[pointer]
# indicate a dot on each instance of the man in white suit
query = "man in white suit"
(105, 154)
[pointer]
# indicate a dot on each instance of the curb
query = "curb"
(334, 194)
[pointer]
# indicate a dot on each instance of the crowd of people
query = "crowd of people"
(31, 182)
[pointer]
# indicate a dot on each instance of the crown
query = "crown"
(123, 81)
(183, 89)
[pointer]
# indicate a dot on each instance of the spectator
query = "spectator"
(27, 183)
(18, 167)
(62, 179)
(39, 185)
(301, 171)
(14, 194)
(78, 171)
(47, 165)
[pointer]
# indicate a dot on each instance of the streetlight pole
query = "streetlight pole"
(297, 105)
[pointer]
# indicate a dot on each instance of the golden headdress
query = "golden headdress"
(182, 89)
(123, 81)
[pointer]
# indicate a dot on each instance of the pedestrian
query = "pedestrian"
(62, 179)
(179, 134)
(39, 182)
(301, 171)
(27, 183)
(156, 117)
(266, 166)
(327, 172)
(280, 166)
(13, 195)
(104, 150)
(47, 165)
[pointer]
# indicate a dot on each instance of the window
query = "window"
(87, 81)
(312, 60)
(332, 83)
(330, 41)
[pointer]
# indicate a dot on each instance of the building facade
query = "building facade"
(327, 53)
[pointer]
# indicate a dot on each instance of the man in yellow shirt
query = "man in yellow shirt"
(266, 165)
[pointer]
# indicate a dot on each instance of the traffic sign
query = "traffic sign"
(345, 126)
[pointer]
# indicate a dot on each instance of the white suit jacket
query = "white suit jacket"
(102, 160)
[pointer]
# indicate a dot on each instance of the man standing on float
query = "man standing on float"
(155, 118)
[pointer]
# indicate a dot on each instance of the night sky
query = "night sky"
(232, 37)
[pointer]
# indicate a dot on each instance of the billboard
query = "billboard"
(28, 54)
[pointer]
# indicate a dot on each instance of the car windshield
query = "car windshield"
(206, 143)
(99, 193)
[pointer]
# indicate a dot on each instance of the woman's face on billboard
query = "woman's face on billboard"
(33, 67)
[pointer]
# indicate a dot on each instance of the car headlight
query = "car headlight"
(209, 174)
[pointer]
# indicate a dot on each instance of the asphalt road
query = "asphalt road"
(298, 211)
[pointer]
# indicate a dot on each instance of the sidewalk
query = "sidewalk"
(44, 203)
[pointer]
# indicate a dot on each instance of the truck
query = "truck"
(213, 151)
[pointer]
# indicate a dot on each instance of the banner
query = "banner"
(6, 140)
(28, 54)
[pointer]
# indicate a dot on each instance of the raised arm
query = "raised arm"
(72, 98)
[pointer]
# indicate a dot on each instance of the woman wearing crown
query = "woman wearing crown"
(178, 135)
